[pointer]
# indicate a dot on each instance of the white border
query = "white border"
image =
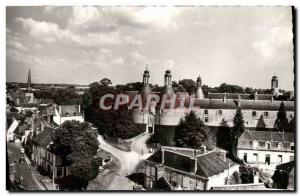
(3, 5)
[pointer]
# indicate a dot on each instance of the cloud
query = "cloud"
(118, 61)
(277, 39)
(169, 64)
(132, 40)
(138, 57)
(50, 33)
(16, 45)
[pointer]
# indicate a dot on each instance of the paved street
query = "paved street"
(22, 169)
(128, 160)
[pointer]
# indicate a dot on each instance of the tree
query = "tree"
(261, 122)
(76, 144)
(237, 130)
(281, 122)
(191, 132)
(105, 82)
(188, 85)
(247, 173)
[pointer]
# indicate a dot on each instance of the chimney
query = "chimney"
(223, 155)
(255, 178)
(255, 96)
(162, 156)
(203, 148)
(224, 98)
(196, 165)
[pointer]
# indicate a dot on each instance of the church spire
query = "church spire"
(29, 81)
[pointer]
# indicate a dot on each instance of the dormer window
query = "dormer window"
(220, 112)
(67, 114)
(292, 147)
(74, 113)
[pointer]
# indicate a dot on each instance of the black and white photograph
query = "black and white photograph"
(150, 98)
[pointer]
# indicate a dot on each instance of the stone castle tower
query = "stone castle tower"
(274, 86)
(168, 83)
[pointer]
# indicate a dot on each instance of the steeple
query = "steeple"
(29, 81)
(146, 76)
(199, 91)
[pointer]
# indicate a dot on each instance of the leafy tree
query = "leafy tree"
(76, 143)
(261, 123)
(281, 122)
(246, 173)
(191, 132)
(105, 82)
(237, 130)
(188, 85)
(112, 123)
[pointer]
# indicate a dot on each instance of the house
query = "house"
(284, 176)
(266, 149)
(67, 112)
(43, 157)
(173, 168)
(46, 112)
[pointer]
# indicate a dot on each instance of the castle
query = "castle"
(215, 109)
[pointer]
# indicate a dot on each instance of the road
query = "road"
(22, 169)
(128, 160)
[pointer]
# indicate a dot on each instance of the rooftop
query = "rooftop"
(209, 163)
(44, 138)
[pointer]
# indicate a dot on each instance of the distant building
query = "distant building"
(284, 176)
(67, 112)
(174, 168)
(42, 156)
(266, 149)
(217, 109)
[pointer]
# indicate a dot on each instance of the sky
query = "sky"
(80, 45)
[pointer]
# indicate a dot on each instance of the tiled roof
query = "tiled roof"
(233, 104)
(212, 164)
(208, 164)
(240, 187)
(268, 136)
(44, 138)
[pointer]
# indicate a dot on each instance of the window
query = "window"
(279, 158)
(59, 172)
(279, 146)
(261, 144)
(266, 114)
(291, 116)
(267, 159)
(205, 119)
(245, 157)
(74, 113)
(220, 112)
(206, 112)
(291, 158)
(253, 113)
(255, 157)
(292, 147)
(251, 144)
(268, 145)
(67, 114)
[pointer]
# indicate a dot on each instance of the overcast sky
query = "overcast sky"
(237, 45)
